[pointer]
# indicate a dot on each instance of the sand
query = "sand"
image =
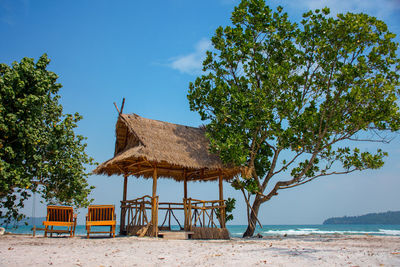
(18, 250)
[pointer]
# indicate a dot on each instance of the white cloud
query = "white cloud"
(192, 63)
(381, 9)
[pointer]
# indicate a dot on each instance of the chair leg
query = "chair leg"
(51, 233)
(113, 230)
(45, 231)
(88, 231)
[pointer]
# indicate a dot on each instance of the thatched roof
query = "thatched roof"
(175, 149)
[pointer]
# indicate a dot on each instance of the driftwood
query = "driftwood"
(143, 231)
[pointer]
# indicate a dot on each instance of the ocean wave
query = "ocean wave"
(389, 232)
(294, 232)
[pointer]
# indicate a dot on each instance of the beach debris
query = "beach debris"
(2, 230)
(142, 231)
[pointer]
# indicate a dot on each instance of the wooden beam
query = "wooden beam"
(139, 172)
(123, 212)
(154, 208)
(184, 184)
(120, 168)
(125, 187)
(221, 189)
(133, 169)
(155, 182)
(136, 163)
(117, 108)
(221, 197)
(122, 106)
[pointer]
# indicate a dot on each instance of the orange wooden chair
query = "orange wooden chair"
(60, 216)
(101, 215)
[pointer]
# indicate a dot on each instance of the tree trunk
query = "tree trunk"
(251, 227)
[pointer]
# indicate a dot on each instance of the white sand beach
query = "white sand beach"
(340, 250)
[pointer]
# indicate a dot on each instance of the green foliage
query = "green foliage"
(230, 206)
(290, 99)
(39, 150)
(389, 217)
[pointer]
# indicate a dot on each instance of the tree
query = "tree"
(39, 150)
(290, 102)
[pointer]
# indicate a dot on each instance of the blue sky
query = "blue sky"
(148, 52)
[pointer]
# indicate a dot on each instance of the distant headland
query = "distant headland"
(389, 217)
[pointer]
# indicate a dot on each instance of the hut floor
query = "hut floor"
(196, 233)
(179, 235)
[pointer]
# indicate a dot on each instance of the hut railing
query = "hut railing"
(197, 213)
(136, 212)
(204, 213)
(170, 215)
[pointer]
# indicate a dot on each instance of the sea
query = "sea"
(272, 230)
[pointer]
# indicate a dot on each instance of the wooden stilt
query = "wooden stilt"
(123, 211)
(221, 197)
(155, 181)
(154, 210)
(186, 223)
(185, 184)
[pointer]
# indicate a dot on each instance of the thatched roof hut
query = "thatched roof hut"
(177, 151)
(151, 149)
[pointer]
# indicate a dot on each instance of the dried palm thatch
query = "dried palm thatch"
(210, 233)
(176, 150)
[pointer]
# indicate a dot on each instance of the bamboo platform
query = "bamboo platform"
(177, 235)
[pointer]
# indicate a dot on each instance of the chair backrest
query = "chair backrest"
(101, 213)
(60, 213)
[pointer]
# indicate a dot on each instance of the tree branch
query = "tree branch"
(319, 175)
(289, 163)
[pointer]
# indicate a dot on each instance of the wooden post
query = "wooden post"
(186, 227)
(154, 213)
(189, 215)
(123, 210)
(221, 197)
(184, 184)
(155, 182)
